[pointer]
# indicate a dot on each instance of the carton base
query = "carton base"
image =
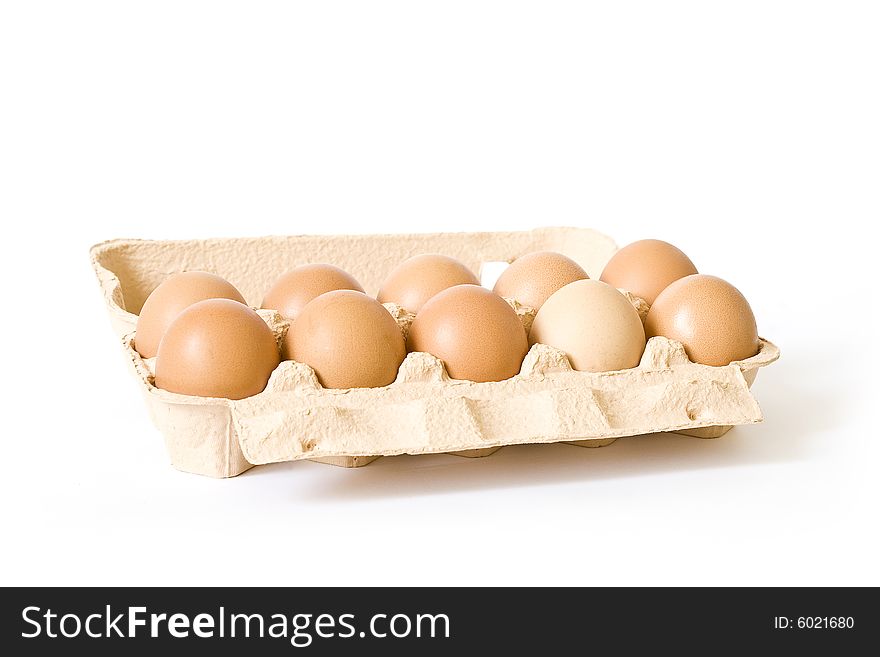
(604, 442)
(346, 461)
(475, 453)
(706, 432)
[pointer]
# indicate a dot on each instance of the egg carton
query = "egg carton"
(423, 411)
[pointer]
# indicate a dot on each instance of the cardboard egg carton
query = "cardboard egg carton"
(423, 411)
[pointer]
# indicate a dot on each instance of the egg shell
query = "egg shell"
(476, 334)
(295, 288)
(419, 278)
(532, 278)
(170, 298)
(594, 324)
(646, 267)
(709, 316)
(349, 339)
(217, 348)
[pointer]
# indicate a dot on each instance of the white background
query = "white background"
(747, 135)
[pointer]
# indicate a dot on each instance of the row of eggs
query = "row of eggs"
(208, 343)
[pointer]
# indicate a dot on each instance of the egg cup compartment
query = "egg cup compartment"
(423, 411)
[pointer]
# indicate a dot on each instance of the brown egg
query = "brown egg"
(293, 290)
(173, 295)
(532, 278)
(217, 348)
(349, 339)
(419, 278)
(710, 317)
(476, 334)
(594, 324)
(646, 267)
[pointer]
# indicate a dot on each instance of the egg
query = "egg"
(532, 278)
(349, 339)
(216, 348)
(173, 295)
(476, 334)
(646, 267)
(594, 324)
(294, 289)
(419, 278)
(709, 316)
